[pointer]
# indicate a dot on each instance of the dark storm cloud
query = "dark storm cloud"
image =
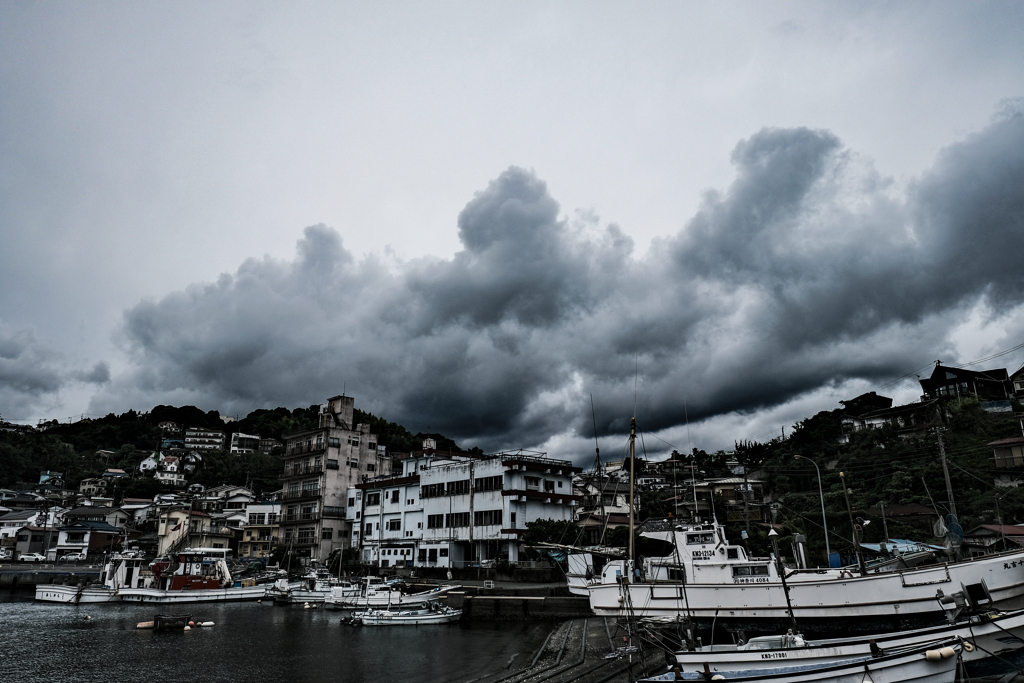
(32, 373)
(810, 269)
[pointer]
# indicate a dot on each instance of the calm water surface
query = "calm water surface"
(42, 642)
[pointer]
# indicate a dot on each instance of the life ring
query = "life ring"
(968, 646)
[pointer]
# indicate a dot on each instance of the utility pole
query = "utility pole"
(853, 528)
(945, 472)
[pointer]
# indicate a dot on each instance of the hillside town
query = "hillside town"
(343, 497)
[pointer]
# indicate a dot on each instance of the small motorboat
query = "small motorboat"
(433, 614)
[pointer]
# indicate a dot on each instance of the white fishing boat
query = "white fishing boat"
(314, 588)
(434, 614)
(992, 645)
(710, 581)
(375, 594)
(119, 571)
(934, 662)
(193, 575)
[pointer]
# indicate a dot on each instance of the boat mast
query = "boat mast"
(632, 470)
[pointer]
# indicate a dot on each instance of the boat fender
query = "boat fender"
(936, 655)
(968, 646)
(145, 624)
(947, 652)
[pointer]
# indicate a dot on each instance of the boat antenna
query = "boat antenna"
(693, 461)
(632, 505)
(636, 373)
(599, 483)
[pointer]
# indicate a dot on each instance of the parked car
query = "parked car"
(6, 554)
(73, 557)
(31, 557)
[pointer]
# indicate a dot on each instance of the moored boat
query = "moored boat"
(709, 580)
(993, 644)
(119, 571)
(375, 594)
(194, 575)
(433, 614)
(934, 662)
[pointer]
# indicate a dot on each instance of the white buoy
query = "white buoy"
(188, 628)
(206, 624)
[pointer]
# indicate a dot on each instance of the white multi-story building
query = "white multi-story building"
(244, 443)
(457, 509)
(202, 439)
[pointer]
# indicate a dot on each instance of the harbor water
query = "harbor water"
(48, 643)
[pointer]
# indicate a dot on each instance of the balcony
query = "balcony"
(300, 517)
(301, 471)
(301, 448)
(331, 512)
(303, 494)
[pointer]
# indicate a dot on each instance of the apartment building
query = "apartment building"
(320, 465)
(244, 443)
(202, 439)
(446, 509)
(261, 532)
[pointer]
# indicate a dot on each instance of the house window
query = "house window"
(532, 483)
(334, 442)
(435, 521)
(351, 502)
(458, 519)
(394, 496)
(549, 485)
(486, 517)
(373, 498)
(369, 527)
(394, 525)
(370, 467)
(444, 552)
(326, 534)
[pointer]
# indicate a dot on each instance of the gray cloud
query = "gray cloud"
(810, 269)
(33, 374)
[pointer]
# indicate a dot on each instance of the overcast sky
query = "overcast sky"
(475, 216)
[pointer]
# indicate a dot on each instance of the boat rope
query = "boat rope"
(974, 642)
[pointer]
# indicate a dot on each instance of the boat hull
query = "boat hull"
(877, 602)
(399, 619)
(165, 597)
(76, 595)
(934, 663)
(992, 641)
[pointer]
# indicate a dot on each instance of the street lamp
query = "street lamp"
(824, 521)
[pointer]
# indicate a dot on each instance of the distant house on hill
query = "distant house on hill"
(985, 385)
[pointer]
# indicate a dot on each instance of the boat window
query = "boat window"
(732, 553)
(700, 539)
(676, 574)
(751, 570)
